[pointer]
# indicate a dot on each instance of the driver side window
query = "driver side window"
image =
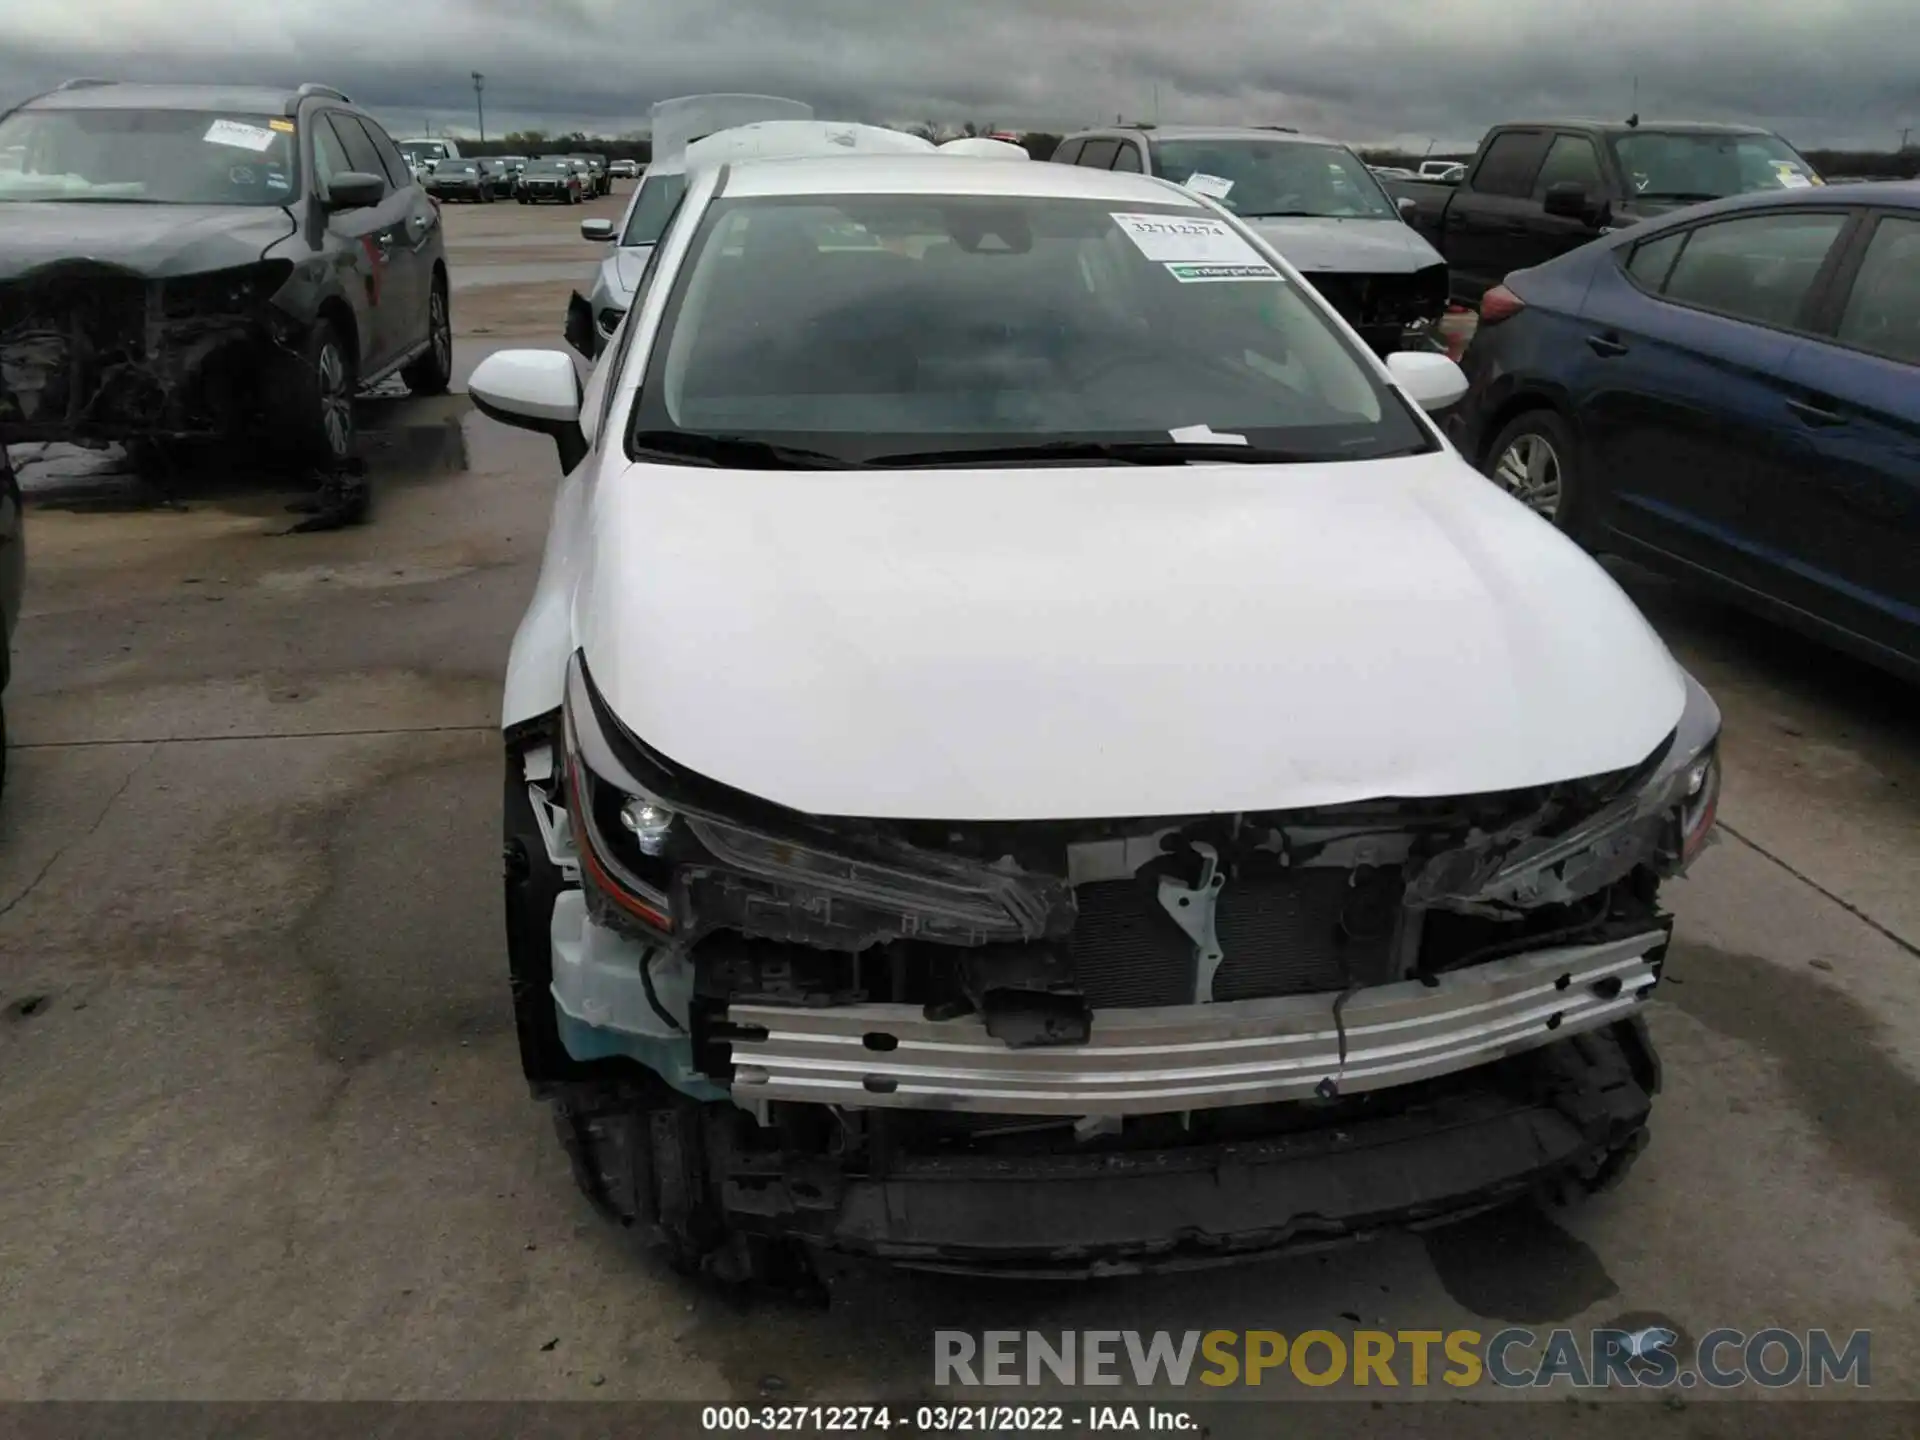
(329, 159)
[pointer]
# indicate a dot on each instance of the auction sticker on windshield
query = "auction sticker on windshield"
(1214, 187)
(246, 137)
(1194, 247)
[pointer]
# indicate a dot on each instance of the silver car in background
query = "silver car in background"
(597, 306)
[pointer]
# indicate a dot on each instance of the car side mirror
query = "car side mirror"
(536, 390)
(1431, 380)
(596, 230)
(1408, 208)
(355, 190)
(1570, 200)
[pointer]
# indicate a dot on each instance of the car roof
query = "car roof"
(1885, 194)
(796, 138)
(1208, 132)
(1880, 194)
(1620, 127)
(113, 95)
(937, 174)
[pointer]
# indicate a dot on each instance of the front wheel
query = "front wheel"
(317, 409)
(1535, 459)
(432, 373)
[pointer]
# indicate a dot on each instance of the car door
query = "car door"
(419, 241)
(1484, 235)
(1848, 525)
(363, 242)
(1683, 393)
(1572, 159)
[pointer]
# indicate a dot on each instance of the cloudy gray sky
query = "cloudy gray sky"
(1823, 72)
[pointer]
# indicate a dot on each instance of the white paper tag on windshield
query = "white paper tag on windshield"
(246, 137)
(1214, 187)
(1794, 180)
(1200, 239)
(1204, 435)
(1188, 273)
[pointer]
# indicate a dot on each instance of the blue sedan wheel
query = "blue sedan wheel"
(1532, 460)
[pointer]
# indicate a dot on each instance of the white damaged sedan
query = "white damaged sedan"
(1031, 753)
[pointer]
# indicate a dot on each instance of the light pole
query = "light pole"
(479, 105)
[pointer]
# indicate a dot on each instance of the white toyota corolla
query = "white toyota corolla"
(1031, 753)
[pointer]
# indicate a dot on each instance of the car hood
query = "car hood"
(153, 240)
(1071, 642)
(1348, 247)
(620, 274)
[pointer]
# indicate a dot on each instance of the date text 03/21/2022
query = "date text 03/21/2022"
(942, 1419)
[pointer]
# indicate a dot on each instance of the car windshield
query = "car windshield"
(549, 167)
(871, 328)
(420, 151)
(652, 208)
(162, 157)
(1275, 177)
(456, 167)
(1670, 166)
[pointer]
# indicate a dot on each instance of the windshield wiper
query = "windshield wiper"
(1110, 452)
(736, 452)
(1292, 215)
(1689, 195)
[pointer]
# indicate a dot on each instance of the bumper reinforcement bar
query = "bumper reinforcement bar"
(1193, 1057)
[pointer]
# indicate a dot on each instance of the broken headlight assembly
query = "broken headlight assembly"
(1661, 821)
(225, 292)
(677, 864)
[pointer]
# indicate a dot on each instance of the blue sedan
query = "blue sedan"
(1730, 393)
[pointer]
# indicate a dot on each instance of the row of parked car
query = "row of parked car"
(567, 178)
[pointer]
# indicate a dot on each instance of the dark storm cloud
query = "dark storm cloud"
(1822, 71)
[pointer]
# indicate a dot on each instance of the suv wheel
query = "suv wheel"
(433, 371)
(317, 410)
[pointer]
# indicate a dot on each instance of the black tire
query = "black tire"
(432, 373)
(317, 409)
(1536, 459)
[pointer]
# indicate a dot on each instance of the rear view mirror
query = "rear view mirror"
(1431, 380)
(536, 390)
(596, 230)
(1408, 208)
(355, 190)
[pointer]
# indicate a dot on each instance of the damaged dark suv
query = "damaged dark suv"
(187, 262)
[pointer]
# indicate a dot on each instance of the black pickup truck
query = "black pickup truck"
(1536, 189)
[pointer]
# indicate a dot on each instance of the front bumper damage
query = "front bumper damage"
(1178, 1042)
(97, 352)
(1190, 1057)
(1392, 312)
